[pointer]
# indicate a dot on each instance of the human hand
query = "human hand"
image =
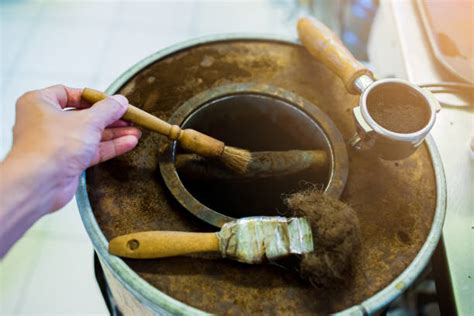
(56, 146)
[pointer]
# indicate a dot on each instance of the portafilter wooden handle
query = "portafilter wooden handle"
(189, 139)
(160, 244)
(327, 48)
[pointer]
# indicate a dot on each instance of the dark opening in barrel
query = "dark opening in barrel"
(398, 108)
(257, 123)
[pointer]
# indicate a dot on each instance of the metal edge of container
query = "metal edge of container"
(414, 269)
(149, 296)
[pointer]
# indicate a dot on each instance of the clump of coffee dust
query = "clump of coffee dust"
(336, 237)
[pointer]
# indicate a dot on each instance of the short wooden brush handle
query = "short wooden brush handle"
(134, 114)
(326, 47)
(189, 139)
(160, 244)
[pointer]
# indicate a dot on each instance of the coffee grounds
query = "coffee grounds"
(336, 237)
(397, 109)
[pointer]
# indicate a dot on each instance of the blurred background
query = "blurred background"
(90, 43)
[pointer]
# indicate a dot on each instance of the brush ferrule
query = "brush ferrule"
(261, 238)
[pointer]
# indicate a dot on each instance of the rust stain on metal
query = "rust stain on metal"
(395, 201)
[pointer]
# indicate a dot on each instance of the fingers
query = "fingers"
(120, 123)
(116, 132)
(113, 148)
(107, 111)
(64, 97)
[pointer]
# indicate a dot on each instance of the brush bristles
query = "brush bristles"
(236, 159)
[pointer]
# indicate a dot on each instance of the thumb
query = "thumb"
(109, 110)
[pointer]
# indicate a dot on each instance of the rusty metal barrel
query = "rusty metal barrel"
(400, 204)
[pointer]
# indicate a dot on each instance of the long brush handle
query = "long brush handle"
(189, 139)
(263, 165)
(160, 244)
(327, 48)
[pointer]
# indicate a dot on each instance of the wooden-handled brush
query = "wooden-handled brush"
(235, 158)
(251, 240)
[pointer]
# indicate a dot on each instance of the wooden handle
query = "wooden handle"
(326, 47)
(133, 114)
(160, 244)
(189, 139)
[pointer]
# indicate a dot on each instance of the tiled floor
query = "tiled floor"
(89, 43)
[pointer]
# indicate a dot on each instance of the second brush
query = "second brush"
(250, 240)
(263, 164)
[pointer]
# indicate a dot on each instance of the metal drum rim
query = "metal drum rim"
(149, 296)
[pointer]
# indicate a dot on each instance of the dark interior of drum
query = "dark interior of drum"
(257, 123)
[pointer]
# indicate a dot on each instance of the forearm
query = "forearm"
(25, 195)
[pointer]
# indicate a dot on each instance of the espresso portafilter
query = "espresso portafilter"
(393, 116)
